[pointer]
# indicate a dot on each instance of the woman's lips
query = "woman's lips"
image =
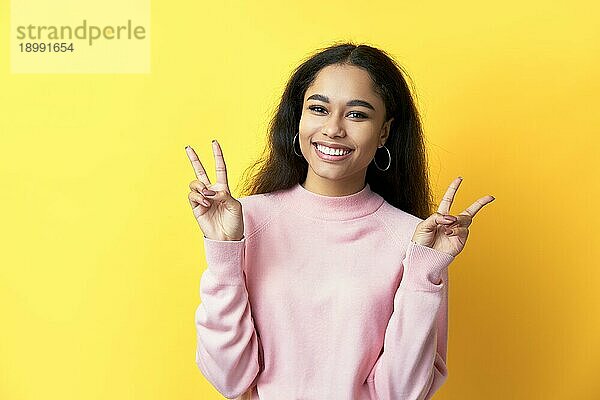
(328, 157)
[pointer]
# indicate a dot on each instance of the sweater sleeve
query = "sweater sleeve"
(227, 351)
(412, 365)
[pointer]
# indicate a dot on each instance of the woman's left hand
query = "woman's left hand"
(445, 232)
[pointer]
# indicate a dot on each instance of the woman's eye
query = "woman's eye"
(359, 114)
(321, 109)
(316, 108)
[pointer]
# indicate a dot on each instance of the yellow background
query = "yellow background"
(101, 257)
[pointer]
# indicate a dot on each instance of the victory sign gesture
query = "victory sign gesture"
(216, 211)
(444, 232)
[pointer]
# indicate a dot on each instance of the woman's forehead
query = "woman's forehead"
(342, 84)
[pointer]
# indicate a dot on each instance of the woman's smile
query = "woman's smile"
(331, 154)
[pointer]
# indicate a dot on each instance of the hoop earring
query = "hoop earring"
(294, 145)
(389, 156)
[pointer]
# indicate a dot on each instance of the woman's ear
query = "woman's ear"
(385, 130)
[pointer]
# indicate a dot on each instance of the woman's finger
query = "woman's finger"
(448, 198)
(197, 199)
(197, 186)
(197, 165)
(192, 200)
(444, 219)
(201, 188)
(220, 164)
(475, 207)
(462, 220)
(457, 231)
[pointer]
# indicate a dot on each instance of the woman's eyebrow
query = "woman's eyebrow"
(355, 102)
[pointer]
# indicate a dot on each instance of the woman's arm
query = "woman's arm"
(413, 362)
(227, 344)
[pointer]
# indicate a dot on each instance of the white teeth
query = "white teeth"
(332, 152)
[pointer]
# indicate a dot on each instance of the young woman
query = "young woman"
(329, 280)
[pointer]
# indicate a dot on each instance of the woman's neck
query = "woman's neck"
(329, 187)
(331, 208)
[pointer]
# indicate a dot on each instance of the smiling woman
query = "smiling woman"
(329, 279)
(356, 97)
(345, 127)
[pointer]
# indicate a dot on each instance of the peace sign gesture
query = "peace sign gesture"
(219, 215)
(445, 232)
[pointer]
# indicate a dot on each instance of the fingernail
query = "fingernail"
(187, 147)
(213, 140)
(208, 192)
(460, 177)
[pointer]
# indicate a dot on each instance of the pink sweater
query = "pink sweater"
(324, 298)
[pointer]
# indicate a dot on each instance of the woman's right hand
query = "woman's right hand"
(219, 215)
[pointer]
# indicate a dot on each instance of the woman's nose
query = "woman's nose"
(333, 128)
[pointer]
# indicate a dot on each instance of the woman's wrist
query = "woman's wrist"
(225, 239)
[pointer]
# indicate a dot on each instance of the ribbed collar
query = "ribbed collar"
(332, 208)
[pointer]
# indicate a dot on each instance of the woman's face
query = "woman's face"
(341, 110)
